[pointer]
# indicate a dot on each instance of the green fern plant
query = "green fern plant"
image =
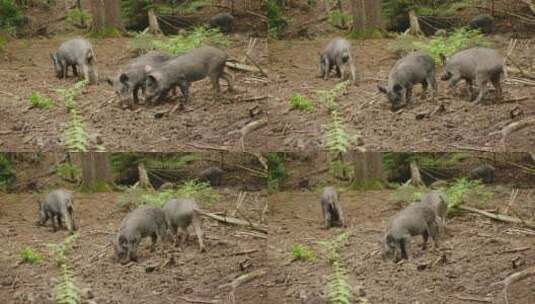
(200, 191)
(37, 100)
(301, 103)
(75, 136)
(464, 188)
(28, 255)
(329, 97)
(60, 251)
(302, 253)
(338, 288)
(66, 291)
(68, 95)
(337, 137)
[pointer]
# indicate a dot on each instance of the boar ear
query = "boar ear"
(148, 69)
(123, 78)
(442, 58)
(382, 89)
(397, 88)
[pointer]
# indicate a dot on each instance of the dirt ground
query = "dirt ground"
(462, 125)
(477, 252)
(26, 67)
(188, 276)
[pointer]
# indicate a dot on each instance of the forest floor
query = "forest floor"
(475, 253)
(26, 67)
(170, 275)
(443, 124)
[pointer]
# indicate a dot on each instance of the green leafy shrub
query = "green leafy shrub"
(276, 23)
(200, 191)
(277, 174)
(337, 17)
(407, 194)
(10, 17)
(456, 41)
(39, 101)
(66, 291)
(192, 6)
(195, 38)
(463, 190)
(459, 40)
(301, 103)
(302, 253)
(78, 17)
(68, 171)
(28, 255)
(7, 176)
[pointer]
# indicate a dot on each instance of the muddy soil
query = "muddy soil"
(366, 112)
(26, 68)
(477, 252)
(187, 276)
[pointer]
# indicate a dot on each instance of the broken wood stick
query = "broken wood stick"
(243, 67)
(234, 221)
(244, 279)
(191, 300)
(499, 217)
(513, 127)
(256, 65)
(515, 277)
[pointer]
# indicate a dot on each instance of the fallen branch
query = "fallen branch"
(513, 127)
(243, 67)
(515, 250)
(190, 300)
(256, 65)
(499, 217)
(248, 128)
(256, 235)
(245, 252)
(515, 277)
(465, 298)
(234, 221)
(248, 277)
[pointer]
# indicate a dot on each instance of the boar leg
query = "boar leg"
(198, 231)
(135, 92)
(404, 248)
(184, 88)
(482, 85)
(227, 78)
(154, 240)
(496, 83)
(425, 236)
(327, 217)
(327, 69)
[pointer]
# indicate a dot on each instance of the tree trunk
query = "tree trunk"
(97, 13)
(154, 27)
(415, 29)
(416, 177)
(106, 14)
(368, 168)
(367, 15)
(113, 14)
(144, 181)
(96, 170)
